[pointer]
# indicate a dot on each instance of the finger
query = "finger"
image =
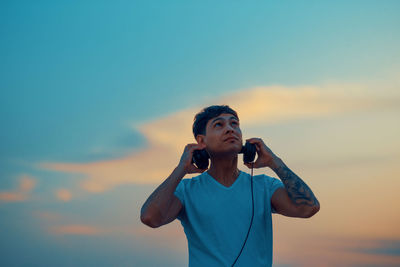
(197, 147)
(193, 148)
(258, 142)
(254, 140)
(250, 140)
(187, 147)
(257, 147)
(192, 145)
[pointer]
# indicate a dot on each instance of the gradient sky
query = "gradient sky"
(97, 102)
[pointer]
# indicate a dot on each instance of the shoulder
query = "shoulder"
(266, 181)
(192, 181)
(269, 179)
(260, 177)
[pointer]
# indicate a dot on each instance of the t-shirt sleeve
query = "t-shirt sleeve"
(179, 193)
(274, 183)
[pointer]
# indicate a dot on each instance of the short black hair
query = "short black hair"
(201, 119)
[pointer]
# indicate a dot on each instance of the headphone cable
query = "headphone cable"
(252, 214)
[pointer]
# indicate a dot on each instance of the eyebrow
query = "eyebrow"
(219, 118)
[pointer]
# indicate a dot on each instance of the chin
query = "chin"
(234, 149)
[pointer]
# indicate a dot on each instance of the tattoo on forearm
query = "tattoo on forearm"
(297, 190)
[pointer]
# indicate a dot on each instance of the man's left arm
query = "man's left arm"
(304, 200)
(296, 199)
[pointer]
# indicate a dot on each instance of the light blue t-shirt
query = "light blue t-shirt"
(216, 219)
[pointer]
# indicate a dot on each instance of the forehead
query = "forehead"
(223, 116)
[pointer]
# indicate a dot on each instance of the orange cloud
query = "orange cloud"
(63, 195)
(26, 185)
(276, 104)
(59, 224)
(168, 135)
(328, 250)
(12, 197)
(76, 229)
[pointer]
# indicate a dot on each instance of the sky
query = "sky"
(97, 100)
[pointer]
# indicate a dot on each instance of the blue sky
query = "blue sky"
(77, 76)
(67, 64)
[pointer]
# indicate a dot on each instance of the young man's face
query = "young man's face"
(223, 135)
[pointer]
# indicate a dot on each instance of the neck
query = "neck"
(224, 169)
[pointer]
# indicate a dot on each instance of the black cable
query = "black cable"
(252, 214)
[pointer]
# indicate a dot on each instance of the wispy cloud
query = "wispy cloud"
(331, 250)
(76, 229)
(168, 135)
(57, 223)
(22, 193)
(61, 224)
(63, 195)
(382, 247)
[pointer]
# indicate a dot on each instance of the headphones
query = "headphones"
(200, 158)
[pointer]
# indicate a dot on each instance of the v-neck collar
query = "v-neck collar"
(223, 186)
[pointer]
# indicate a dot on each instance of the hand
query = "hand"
(265, 157)
(185, 164)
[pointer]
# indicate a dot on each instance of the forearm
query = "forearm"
(157, 204)
(297, 189)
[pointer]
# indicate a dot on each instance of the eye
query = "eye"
(218, 123)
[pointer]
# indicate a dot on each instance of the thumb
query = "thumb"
(251, 164)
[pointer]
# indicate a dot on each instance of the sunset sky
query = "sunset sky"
(98, 99)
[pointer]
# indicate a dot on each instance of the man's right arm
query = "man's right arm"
(163, 206)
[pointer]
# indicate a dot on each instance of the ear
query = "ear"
(200, 139)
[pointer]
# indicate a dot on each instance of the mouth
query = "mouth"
(230, 139)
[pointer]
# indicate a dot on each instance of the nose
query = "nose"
(229, 128)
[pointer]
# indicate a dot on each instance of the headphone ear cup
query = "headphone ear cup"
(200, 159)
(249, 152)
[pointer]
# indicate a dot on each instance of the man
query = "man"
(215, 208)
